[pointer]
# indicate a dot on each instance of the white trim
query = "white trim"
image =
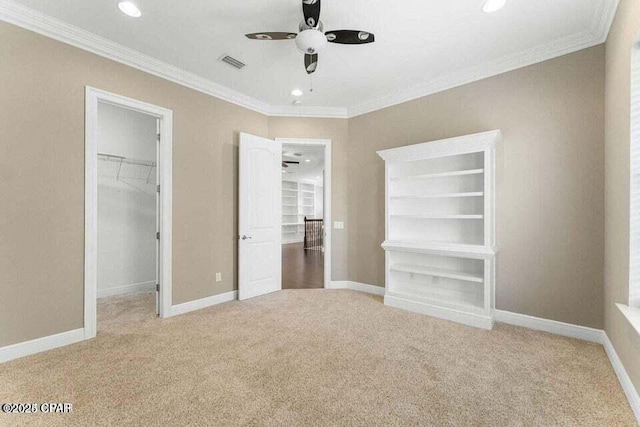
(634, 179)
(307, 111)
(552, 326)
(355, 286)
(93, 97)
(39, 345)
(327, 217)
(203, 303)
(632, 314)
(135, 288)
(627, 386)
(444, 147)
(56, 29)
(40, 23)
(600, 26)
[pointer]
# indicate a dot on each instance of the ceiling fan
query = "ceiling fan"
(286, 163)
(311, 38)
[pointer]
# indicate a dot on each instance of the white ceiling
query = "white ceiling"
(421, 46)
(310, 171)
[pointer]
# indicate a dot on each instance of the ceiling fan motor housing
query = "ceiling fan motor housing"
(311, 41)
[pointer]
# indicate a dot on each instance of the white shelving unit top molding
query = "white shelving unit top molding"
(443, 148)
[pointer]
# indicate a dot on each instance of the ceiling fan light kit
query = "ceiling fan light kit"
(311, 39)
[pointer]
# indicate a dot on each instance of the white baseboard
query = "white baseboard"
(136, 288)
(203, 303)
(551, 326)
(355, 286)
(469, 319)
(629, 390)
(38, 345)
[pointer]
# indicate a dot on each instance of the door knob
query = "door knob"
(246, 237)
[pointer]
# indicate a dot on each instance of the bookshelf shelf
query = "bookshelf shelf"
(297, 202)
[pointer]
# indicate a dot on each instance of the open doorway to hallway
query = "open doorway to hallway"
(303, 227)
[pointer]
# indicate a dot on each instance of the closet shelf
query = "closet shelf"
(440, 175)
(428, 271)
(440, 248)
(126, 160)
(439, 196)
(437, 216)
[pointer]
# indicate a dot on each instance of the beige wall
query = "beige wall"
(42, 85)
(551, 195)
(617, 131)
(337, 131)
(550, 185)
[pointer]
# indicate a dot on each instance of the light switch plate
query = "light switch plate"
(338, 225)
(218, 277)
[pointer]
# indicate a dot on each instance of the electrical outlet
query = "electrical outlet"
(218, 277)
(338, 225)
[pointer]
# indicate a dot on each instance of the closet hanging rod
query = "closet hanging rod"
(121, 159)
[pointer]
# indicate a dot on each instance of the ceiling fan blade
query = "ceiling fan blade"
(311, 63)
(272, 36)
(311, 11)
(291, 162)
(350, 37)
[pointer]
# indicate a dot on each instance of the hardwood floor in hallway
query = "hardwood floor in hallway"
(302, 269)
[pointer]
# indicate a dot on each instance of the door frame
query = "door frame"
(326, 143)
(93, 97)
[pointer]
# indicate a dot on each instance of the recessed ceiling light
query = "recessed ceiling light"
(307, 161)
(129, 8)
(297, 102)
(491, 6)
(297, 92)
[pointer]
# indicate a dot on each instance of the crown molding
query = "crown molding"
(312, 112)
(597, 34)
(30, 19)
(603, 19)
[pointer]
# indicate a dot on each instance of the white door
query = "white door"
(259, 222)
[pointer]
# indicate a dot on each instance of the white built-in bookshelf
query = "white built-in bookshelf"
(298, 200)
(440, 228)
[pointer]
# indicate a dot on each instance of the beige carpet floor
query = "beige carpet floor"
(314, 357)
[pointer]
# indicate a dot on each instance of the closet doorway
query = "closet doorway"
(306, 207)
(128, 210)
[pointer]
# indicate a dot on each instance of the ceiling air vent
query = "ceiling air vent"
(232, 61)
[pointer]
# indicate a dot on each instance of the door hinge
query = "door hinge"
(158, 137)
(157, 287)
(158, 235)
(158, 188)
